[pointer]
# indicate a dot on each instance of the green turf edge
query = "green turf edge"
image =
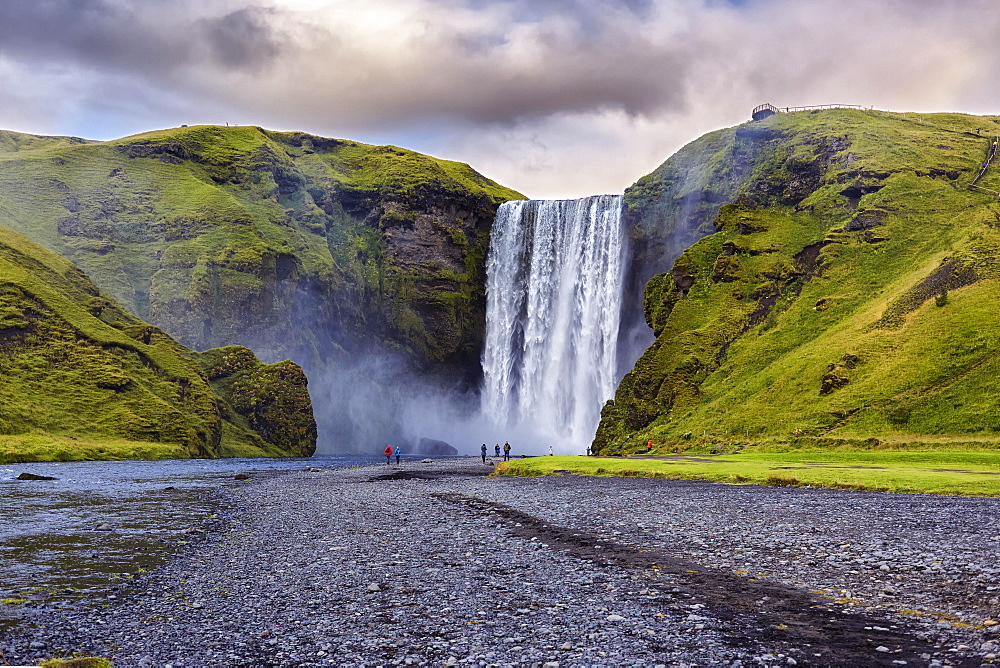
(945, 472)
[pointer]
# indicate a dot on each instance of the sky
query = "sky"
(554, 98)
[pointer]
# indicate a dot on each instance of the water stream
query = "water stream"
(51, 550)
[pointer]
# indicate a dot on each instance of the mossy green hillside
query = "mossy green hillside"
(80, 377)
(224, 235)
(323, 251)
(267, 399)
(958, 471)
(849, 292)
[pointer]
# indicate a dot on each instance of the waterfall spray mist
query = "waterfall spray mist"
(554, 295)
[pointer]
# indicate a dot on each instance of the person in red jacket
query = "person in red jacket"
(649, 446)
(388, 454)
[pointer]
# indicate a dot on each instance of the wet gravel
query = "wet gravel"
(440, 564)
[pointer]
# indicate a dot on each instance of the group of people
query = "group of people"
(496, 449)
(389, 452)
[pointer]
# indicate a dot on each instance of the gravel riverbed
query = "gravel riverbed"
(439, 563)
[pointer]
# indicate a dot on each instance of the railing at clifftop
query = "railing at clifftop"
(762, 111)
(828, 106)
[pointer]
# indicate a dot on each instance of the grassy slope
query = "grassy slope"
(943, 471)
(80, 378)
(794, 321)
(220, 234)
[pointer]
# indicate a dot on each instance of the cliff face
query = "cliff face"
(81, 378)
(673, 207)
(842, 293)
(301, 247)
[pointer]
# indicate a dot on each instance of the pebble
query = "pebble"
(284, 580)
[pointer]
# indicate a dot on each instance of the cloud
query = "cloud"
(243, 39)
(553, 97)
(368, 63)
(493, 63)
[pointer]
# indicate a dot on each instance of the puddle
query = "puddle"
(51, 549)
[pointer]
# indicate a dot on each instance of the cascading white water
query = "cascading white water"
(554, 293)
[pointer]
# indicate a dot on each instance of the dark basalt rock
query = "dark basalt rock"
(429, 446)
(34, 476)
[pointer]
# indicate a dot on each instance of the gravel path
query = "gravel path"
(440, 564)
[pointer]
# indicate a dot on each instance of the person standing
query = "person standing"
(398, 453)
(506, 451)
(496, 449)
(550, 450)
(649, 446)
(482, 451)
(388, 454)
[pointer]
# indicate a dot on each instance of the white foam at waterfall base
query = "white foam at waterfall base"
(554, 295)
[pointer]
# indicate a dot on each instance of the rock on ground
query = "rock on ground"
(437, 563)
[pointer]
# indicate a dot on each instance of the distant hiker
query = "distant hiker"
(588, 450)
(482, 451)
(497, 450)
(506, 451)
(388, 454)
(550, 451)
(398, 453)
(649, 447)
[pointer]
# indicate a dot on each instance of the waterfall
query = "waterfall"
(554, 293)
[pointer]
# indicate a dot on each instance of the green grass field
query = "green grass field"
(26, 448)
(963, 472)
(42, 447)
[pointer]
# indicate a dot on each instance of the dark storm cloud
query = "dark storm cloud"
(480, 61)
(244, 38)
(572, 71)
(149, 37)
(96, 32)
(539, 57)
(494, 62)
(575, 85)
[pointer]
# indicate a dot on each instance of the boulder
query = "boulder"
(34, 476)
(429, 446)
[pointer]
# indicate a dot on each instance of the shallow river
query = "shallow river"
(50, 544)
